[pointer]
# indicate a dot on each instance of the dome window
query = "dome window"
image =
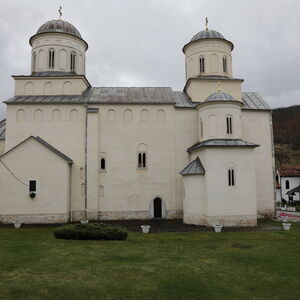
(229, 124)
(33, 62)
(51, 58)
(202, 65)
(225, 64)
(73, 60)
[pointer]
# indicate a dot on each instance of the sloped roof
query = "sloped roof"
(220, 96)
(289, 171)
(193, 168)
(253, 100)
(44, 143)
(2, 129)
(222, 143)
(294, 190)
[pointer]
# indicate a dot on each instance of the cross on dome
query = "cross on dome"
(60, 12)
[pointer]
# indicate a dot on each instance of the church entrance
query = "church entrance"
(157, 206)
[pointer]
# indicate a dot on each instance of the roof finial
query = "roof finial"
(60, 12)
(219, 86)
(206, 23)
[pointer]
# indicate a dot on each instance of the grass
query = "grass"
(196, 265)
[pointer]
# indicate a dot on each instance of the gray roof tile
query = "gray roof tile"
(254, 101)
(193, 168)
(2, 129)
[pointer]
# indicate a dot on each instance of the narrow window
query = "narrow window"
(224, 64)
(142, 160)
(72, 64)
(102, 164)
(202, 65)
(51, 58)
(287, 184)
(201, 128)
(33, 62)
(229, 125)
(231, 177)
(32, 186)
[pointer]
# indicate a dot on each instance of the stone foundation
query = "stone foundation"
(227, 221)
(35, 218)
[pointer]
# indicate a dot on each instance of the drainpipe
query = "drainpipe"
(70, 193)
(85, 160)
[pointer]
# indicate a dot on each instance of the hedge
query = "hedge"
(90, 231)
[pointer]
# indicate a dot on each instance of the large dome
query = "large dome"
(219, 97)
(59, 26)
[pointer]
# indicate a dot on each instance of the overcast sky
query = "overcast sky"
(139, 42)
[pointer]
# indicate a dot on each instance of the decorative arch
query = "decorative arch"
(214, 63)
(144, 115)
(111, 115)
(63, 59)
(38, 115)
(20, 115)
(28, 88)
(127, 115)
(156, 201)
(48, 88)
(41, 59)
(212, 125)
(33, 62)
(67, 88)
(74, 115)
(56, 116)
(160, 115)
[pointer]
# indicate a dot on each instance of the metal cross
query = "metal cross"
(206, 23)
(60, 12)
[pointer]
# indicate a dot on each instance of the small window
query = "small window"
(224, 64)
(201, 128)
(32, 188)
(142, 160)
(231, 180)
(72, 64)
(229, 125)
(287, 184)
(51, 58)
(202, 65)
(102, 164)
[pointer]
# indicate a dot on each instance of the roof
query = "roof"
(294, 190)
(289, 171)
(44, 143)
(58, 26)
(193, 168)
(219, 97)
(207, 34)
(133, 95)
(2, 129)
(222, 143)
(253, 100)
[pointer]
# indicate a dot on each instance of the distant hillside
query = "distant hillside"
(286, 126)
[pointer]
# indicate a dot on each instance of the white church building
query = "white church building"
(70, 151)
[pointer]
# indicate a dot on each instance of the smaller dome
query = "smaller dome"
(207, 34)
(219, 97)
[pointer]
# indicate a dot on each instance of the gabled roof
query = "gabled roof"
(222, 143)
(193, 168)
(294, 190)
(254, 101)
(2, 129)
(44, 143)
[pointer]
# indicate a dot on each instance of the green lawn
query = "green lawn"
(196, 265)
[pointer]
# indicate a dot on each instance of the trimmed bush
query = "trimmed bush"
(90, 231)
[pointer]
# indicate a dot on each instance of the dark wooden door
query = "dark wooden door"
(157, 208)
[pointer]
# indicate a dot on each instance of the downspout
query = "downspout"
(70, 193)
(273, 161)
(85, 160)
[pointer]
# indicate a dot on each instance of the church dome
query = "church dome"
(207, 34)
(219, 97)
(59, 26)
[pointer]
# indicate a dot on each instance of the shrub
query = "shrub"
(90, 231)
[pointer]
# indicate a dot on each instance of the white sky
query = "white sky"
(139, 42)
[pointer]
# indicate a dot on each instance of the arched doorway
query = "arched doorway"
(157, 208)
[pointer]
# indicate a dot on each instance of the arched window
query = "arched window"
(102, 164)
(33, 62)
(287, 184)
(202, 65)
(229, 124)
(72, 63)
(142, 160)
(225, 64)
(231, 178)
(51, 58)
